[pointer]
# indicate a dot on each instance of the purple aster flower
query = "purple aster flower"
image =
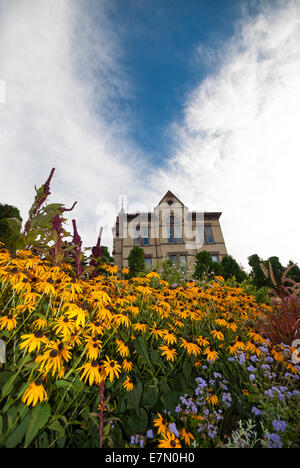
(173, 429)
(279, 425)
(275, 441)
(150, 434)
(256, 411)
(252, 377)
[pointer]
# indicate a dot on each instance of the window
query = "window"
(174, 230)
(208, 235)
(173, 259)
(182, 262)
(148, 262)
(141, 237)
(215, 258)
(145, 235)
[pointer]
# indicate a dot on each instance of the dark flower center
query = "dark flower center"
(38, 381)
(112, 364)
(39, 334)
(172, 443)
(66, 320)
(94, 363)
(53, 353)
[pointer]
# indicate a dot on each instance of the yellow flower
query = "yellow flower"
(142, 327)
(128, 384)
(93, 347)
(213, 399)
(186, 436)
(112, 368)
(202, 341)
(123, 349)
(169, 441)
(153, 274)
(211, 355)
(127, 365)
(35, 392)
(8, 321)
(32, 342)
(217, 334)
(191, 348)
(170, 338)
(170, 353)
(161, 424)
(92, 372)
(63, 326)
(155, 332)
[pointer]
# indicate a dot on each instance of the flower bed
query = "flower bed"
(136, 363)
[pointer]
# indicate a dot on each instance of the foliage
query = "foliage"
(230, 268)
(7, 236)
(205, 267)
(136, 261)
(144, 343)
(282, 323)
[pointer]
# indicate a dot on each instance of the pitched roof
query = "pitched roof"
(169, 194)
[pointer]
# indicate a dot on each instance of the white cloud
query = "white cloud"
(60, 65)
(237, 148)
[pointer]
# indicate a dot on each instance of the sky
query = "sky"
(130, 99)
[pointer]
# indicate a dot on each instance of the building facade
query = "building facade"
(171, 231)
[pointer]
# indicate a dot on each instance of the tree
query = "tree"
(7, 235)
(231, 268)
(256, 272)
(205, 267)
(136, 262)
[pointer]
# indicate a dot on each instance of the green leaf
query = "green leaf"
(187, 370)
(133, 398)
(141, 348)
(171, 400)
(14, 224)
(38, 418)
(149, 398)
(17, 435)
(56, 426)
(136, 424)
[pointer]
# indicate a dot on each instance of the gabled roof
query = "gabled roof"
(169, 194)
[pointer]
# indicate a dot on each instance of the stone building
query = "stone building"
(171, 231)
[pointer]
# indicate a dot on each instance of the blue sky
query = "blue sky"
(133, 98)
(161, 39)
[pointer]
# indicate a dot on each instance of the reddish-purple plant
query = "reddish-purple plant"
(282, 324)
(77, 249)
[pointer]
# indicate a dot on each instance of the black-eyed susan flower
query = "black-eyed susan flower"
(128, 384)
(40, 323)
(112, 368)
(8, 321)
(63, 326)
(191, 348)
(217, 334)
(92, 348)
(92, 373)
(186, 436)
(170, 353)
(50, 360)
(211, 355)
(212, 399)
(34, 392)
(169, 440)
(122, 348)
(169, 337)
(161, 423)
(33, 341)
(127, 365)
(155, 332)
